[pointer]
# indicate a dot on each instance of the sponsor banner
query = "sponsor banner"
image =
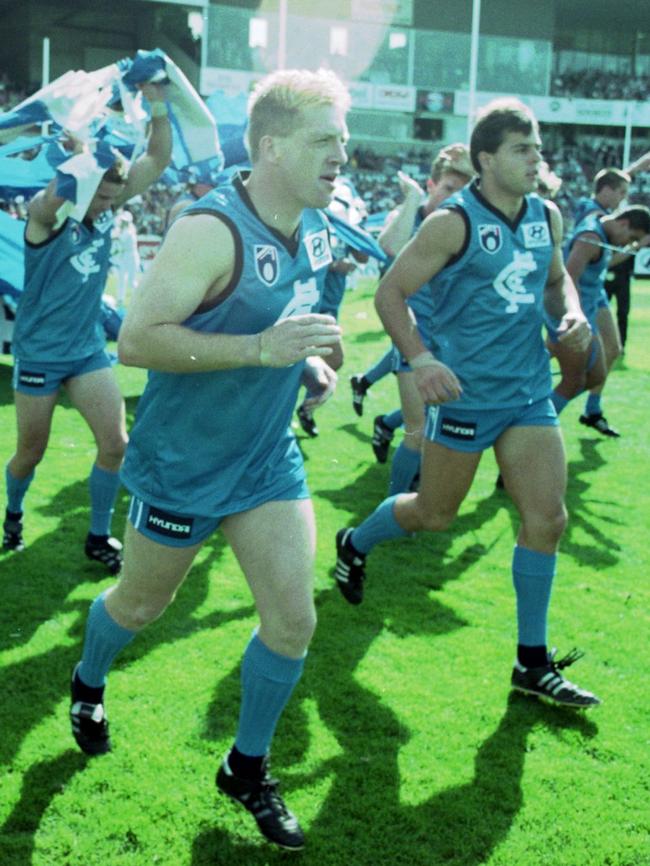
(435, 101)
(361, 94)
(394, 97)
(231, 80)
(383, 11)
(550, 109)
(642, 263)
(148, 247)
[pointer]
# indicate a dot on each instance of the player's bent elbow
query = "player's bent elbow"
(127, 349)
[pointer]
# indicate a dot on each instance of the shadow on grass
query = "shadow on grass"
(599, 550)
(363, 819)
(6, 391)
(41, 784)
(37, 585)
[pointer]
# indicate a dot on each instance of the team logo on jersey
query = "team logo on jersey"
(104, 221)
(536, 235)
(85, 263)
(509, 282)
(489, 237)
(75, 234)
(318, 249)
(171, 525)
(267, 263)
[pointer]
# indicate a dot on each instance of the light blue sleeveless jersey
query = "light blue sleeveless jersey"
(587, 207)
(591, 284)
(58, 315)
(488, 303)
(217, 443)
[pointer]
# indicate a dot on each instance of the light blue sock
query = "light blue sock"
(380, 526)
(16, 490)
(267, 681)
(403, 469)
(103, 492)
(382, 368)
(558, 401)
(394, 419)
(593, 405)
(103, 641)
(532, 576)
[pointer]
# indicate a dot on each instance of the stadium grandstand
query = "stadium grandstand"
(584, 70)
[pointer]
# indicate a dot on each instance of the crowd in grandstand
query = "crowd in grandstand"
(599, 84)
(375, 174)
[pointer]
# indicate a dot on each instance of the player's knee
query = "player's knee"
(293, 631)
(30, 454)
(546, 528)
(111, 449)
(135, 614)
(436, 520)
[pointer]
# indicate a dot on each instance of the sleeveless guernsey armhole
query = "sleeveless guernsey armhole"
(55, 234)
(601, 251)
(461, 252)
(239, 261)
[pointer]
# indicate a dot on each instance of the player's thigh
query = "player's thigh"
(597, 363)
(275, 544)
(412, 403)
(573, 365)
(97, 397)
(446, 476)
(609, 333)
(532, 461)
(34, 420)
(151, 574)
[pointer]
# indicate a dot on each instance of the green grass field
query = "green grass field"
(402, 744)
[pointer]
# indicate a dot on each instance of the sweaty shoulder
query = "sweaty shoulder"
(555, 219)
(207, 242)
(446, 228)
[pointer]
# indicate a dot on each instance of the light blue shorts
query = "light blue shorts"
(185, 530)
(474, 430)
(46, 377)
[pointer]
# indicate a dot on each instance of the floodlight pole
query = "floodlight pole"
(45, 73)
(627, 145)
(282, 35)
(45, 76)
(473, 65)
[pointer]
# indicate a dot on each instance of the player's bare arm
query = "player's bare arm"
(561, 297)
(153, 336)
(399, 223)
(440, 237)
(148, 167)
(41, 212)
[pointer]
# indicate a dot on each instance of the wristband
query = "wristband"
(159, 109)
(424, 359)
(263, 356)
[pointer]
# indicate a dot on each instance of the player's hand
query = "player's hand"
(295, 338)
(409, 187)
(437, 383)
(153, 92)
(320, 381)
(71, 143)
(574, 333)
(343, 266)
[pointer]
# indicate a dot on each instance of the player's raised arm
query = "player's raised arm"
(440, 237)
(151, 164)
